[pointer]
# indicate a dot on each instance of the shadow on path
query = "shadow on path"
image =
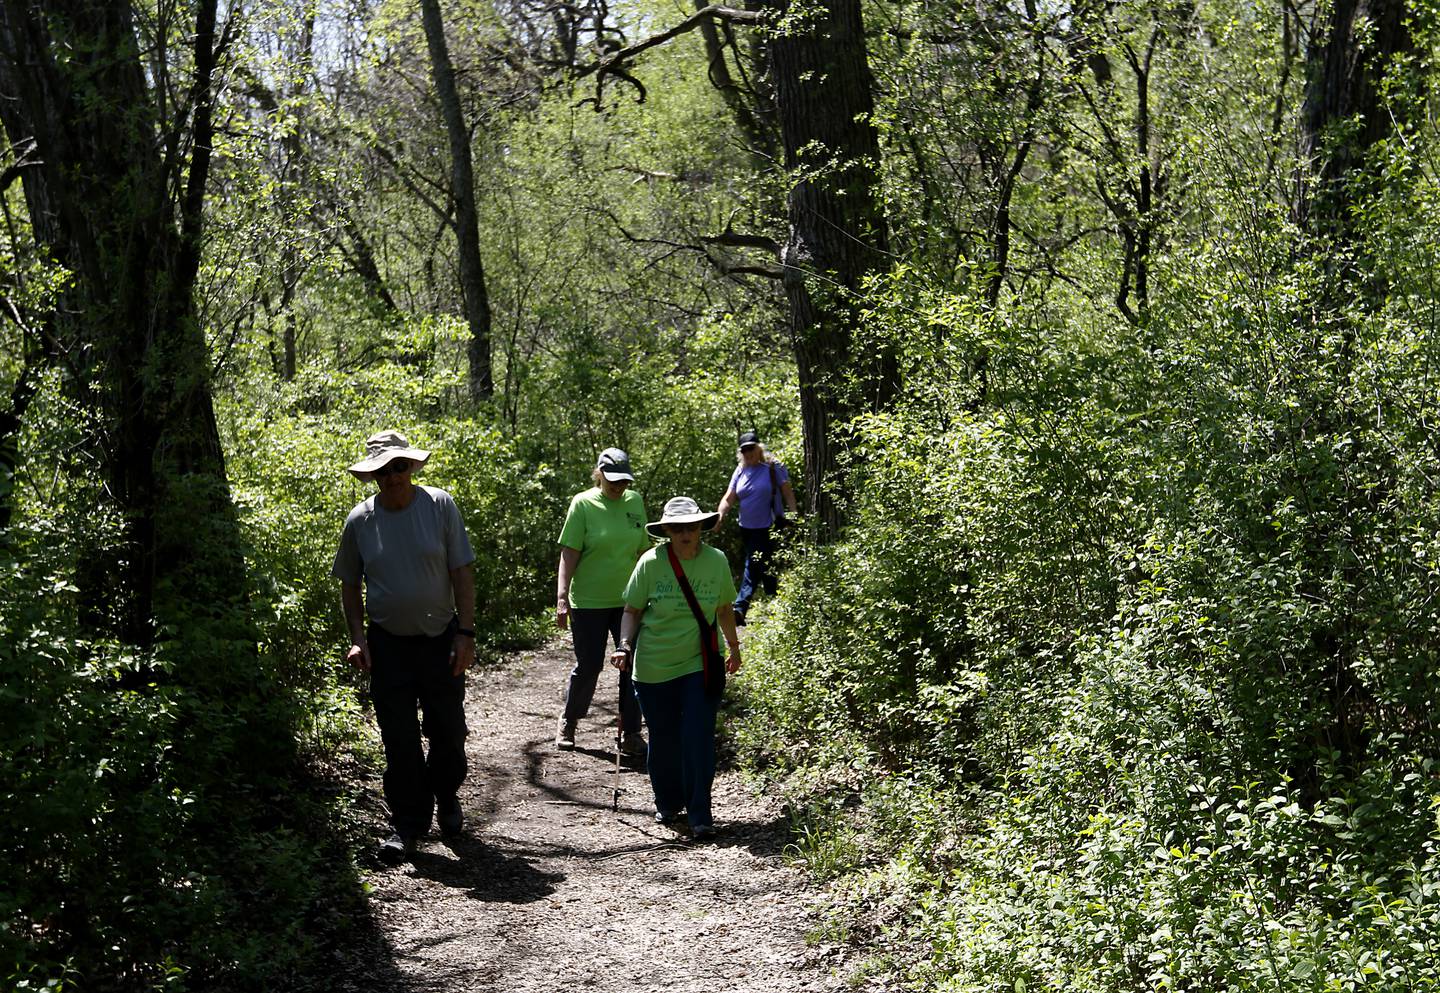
(485, 872)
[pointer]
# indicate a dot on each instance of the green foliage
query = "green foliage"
(1124, 676)
(156, 837)
(1132, 641)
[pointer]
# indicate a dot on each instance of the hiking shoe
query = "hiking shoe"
(661, 817)
(450, 817)
(703, 832)
(739, 617)
(396, 849)
(632, 744)
(565, 740)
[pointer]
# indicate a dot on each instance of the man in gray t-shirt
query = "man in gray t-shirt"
(407, 547)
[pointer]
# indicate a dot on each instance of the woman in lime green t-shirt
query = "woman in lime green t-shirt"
(660, 641)
(603, 535)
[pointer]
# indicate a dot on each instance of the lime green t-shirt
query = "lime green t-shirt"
(609, 535)
(668, 645)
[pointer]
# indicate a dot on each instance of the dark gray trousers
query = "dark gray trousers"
(592, 629)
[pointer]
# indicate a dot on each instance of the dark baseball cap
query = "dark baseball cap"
(749, 438)
(614, 465)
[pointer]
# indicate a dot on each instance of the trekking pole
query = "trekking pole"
(619, 732)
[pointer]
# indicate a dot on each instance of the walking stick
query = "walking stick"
(619, 731)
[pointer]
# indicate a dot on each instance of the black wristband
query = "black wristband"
(466, 632)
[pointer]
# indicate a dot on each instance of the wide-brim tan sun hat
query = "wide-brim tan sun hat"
(682, 510)
(383, 448)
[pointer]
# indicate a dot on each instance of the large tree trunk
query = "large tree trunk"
(467, 226)
(837, 236)
(102, 204)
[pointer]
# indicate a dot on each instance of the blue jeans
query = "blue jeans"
(757, 575)
(681, 719)
(591, 628)
(410, 673)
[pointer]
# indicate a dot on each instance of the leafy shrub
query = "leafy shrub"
(1128, 663)
(155, 837)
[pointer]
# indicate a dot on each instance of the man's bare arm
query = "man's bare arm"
(462, 580)
(353, 604)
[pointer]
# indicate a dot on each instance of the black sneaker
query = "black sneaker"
(451, 818)
(661, 817)
(396, 849)
(739, 617)
(702, 832)
(632, 744)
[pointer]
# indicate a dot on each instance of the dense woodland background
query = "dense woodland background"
(1103, 336)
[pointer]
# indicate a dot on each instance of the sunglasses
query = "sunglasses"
(683, 528)
(393, 466)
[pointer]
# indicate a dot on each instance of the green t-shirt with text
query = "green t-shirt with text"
(668, 645)
(608, 534)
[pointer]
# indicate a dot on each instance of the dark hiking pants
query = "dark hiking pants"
(409, 674)
(592, 629)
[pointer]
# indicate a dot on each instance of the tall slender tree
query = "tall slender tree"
(1346, 113)
(466, 219)
(838, 235)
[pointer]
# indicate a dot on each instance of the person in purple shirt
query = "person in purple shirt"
(758, 486)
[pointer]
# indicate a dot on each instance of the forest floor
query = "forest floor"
(549, 889)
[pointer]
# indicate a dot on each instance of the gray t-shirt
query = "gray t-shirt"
(405, 557)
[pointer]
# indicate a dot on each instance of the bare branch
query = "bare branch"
(731, 239)
(616, 63)
(643, 174)
(768, 271)
(409, 183)
(720, 264)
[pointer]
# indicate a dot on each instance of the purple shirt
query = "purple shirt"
(758, 504)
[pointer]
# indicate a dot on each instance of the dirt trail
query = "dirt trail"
(550, 890)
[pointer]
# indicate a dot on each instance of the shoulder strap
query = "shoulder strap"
(685, 588)
(774, 494)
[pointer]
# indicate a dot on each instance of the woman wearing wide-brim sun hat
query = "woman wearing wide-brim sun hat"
(676, 596)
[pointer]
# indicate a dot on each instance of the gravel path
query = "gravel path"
(549, 889)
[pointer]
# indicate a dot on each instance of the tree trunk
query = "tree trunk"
(467, 226)
(103, 206)
(837, 232)
(1347, 59)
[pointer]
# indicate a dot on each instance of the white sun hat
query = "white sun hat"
(682, 510)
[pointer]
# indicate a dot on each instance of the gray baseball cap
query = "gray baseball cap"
(614, 465)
